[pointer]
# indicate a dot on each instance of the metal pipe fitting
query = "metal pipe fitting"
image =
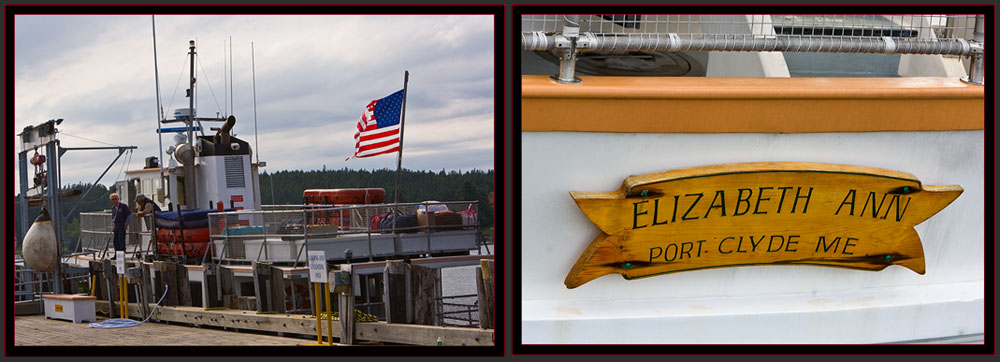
(976, 64)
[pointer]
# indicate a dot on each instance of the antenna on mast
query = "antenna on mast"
(225, 82)
(253, 70)
(159, 108)
(232, 91)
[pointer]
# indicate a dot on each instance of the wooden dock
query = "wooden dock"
(36, 330)
(243, 320)
(226, 296)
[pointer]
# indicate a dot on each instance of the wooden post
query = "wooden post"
(226, 280)
(156, 284)
(167, 277)
(261, 273)
(210, 287)
(140, 300)
(395, 291)
(112, 286)
(183, 286)
(424, 291)
(278, 295)
(145, 287)
(484, 287)
(168, 273)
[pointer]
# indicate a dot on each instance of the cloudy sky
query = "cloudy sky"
(314, 76)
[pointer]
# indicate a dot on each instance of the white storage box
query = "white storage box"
(76, 308)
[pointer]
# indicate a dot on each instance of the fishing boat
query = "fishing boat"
(644, 114)
(215, 245)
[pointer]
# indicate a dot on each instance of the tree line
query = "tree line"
(285, 188)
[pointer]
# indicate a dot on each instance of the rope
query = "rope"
(122, 169)
(207, 79)
(85, 138)
(128, 159)
(123, 323)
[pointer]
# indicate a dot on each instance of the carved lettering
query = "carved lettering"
(635, 218)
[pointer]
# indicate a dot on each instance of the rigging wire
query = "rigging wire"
(179, 75)
(121, 170)
(128, 163)
(253, 68)
(88, 139)
(207, 79)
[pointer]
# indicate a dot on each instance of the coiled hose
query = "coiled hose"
(122, 322)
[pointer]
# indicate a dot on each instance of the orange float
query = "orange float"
(359, 196)
(168, 241)
(344, 196)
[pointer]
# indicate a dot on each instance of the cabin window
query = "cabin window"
(234, 172)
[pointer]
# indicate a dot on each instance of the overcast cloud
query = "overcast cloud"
(314, 76)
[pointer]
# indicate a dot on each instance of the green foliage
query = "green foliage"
(96, 200)
(71, 230)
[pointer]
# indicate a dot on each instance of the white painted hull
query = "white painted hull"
(754, 304)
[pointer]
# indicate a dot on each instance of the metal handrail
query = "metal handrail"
(305, 209)
(469, 310)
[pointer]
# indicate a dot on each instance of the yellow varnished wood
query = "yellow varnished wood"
(759, 105)
(757, 213)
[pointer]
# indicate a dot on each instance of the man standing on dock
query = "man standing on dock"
(119, 216)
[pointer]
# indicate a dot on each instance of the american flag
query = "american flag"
(378, 128)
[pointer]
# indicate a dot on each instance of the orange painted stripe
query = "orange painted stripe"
(765, 105)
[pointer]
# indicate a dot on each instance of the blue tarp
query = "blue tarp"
(193, 215)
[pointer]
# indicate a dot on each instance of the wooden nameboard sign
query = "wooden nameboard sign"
(757, 213)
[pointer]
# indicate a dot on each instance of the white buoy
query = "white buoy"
(39, 248)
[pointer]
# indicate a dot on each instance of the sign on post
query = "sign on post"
(317, 266)
(120, 262)
(758, 213)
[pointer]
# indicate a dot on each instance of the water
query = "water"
(460, 281)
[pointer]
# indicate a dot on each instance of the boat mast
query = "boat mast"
(190, 120)
(190, 174)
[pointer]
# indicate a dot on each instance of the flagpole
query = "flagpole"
(399, 157)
